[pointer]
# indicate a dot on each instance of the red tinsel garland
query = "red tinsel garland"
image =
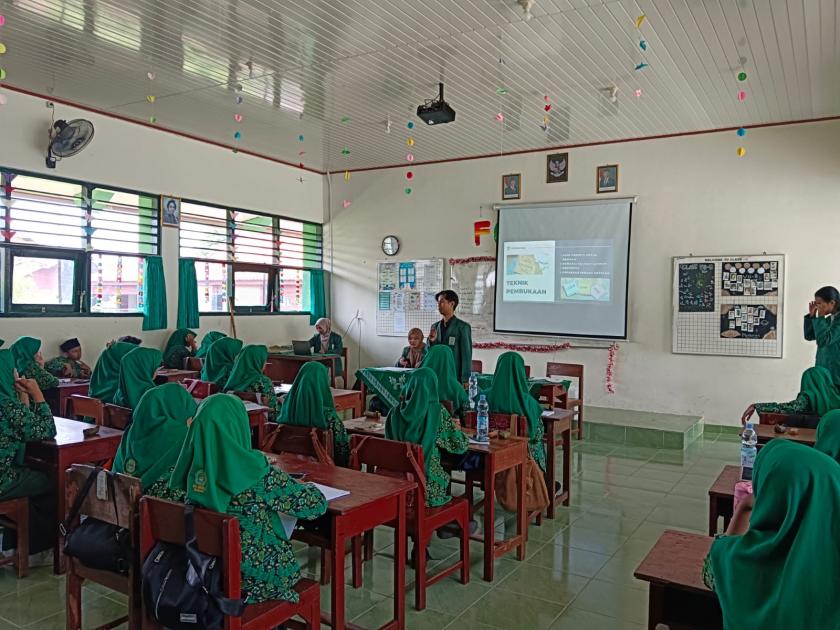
(610, 384)
(473, 259)
(520, 347)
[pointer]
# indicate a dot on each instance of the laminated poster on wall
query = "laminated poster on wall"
(406, 295)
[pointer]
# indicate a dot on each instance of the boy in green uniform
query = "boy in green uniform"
(822, 325)
(69, 364)
(454, 333)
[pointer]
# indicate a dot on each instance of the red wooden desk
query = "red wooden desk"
(165, 375)
(499, 455)
(283, 367)
(767, 432)
(70, 446)
(722, 497)
(678, 597)
(57, 397)
(557, 423)
(257, 417)
(342, 398)
(373, 500)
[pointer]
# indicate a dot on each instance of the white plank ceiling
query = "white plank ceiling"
(335, 71)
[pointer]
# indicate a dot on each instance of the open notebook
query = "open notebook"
(329, 492)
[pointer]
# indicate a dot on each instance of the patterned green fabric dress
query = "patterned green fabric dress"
(246, 375)
(77, 368)
(23, 351)
(451, 439)
(817, 395)
(44, 379)
(265, 387)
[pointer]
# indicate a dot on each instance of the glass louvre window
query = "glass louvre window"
(292, 294)
(300, 244)
(204, 232)
(116, 284)
(123, 222)
(212, 280)
(41, 211)
(253, 237)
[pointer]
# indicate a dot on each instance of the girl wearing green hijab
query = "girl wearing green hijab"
(217, 469)
(137, 376)
(219, 359)
(440, 360)
(207, 341)
(510, 393)
(310, 403)
(790, 540)
(247, 375)
(421, 419)
(29, 362)
(105, 378)
(150, 446)
(828, 435)
(817, 395)
(179, 348)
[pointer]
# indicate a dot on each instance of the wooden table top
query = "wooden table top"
(174, 372)
(767, 432)
(73, 382)
(558, 415)
(363, 487)
(724, 485)
(677, 559)
(285, 388)
(70, 432)
(303, 357)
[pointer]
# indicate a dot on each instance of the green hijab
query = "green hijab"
(219, 360)
(417, 418)
(309, 402)
(178, 339)
(819, 387)
(510, 392)
(207, 341)
(783, 573)
(828, 435)
(151, 444)
(137, 375)
(440, 360)
(216, 461)
(105, 378)
(24, 351)
(247, 368)
(7, 376)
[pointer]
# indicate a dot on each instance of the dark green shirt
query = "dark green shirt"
(826, 332)
(458, 337)
(335, 346)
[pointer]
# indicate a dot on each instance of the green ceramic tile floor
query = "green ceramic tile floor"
(578, 573)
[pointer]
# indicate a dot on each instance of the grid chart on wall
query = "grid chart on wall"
(406, 295)
(475, 283)
(729, 305)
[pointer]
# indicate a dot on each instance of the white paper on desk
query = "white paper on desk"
(288, 523)
(250, 405)
(329, 492)
(474, 441)
(389, 368)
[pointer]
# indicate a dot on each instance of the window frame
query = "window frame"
(31, 251)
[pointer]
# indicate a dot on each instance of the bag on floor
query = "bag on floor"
(536, 491)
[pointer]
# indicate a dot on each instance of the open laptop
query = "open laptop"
(301, 347)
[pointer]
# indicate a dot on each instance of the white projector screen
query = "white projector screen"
(563, 268)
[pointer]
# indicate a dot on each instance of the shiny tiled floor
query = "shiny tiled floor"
(578, 573)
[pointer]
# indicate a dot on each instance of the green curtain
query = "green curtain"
(187, 294)
(317, 296)
(154, 288)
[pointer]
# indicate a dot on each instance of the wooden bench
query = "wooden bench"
(14, 513)
(79, 406)
(575, 371)
(722, 497)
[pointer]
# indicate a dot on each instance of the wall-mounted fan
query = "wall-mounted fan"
(68, 138)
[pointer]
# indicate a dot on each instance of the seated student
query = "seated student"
(327, 342)
(310, 403)
(69, 364)
(137, 376)
(828, 435)
(247, 375)
(778, 565)
(454, 333)
(421, 419)
(217, 469)
(509, 393)
(25, 417)
(129, 339)
(440, 361)
(30, 363)
(821, 325)
(150, 446)
(179, 348)
(105, 378)
(207, 341)
(817, 395)
(219, 359)
(413, 354)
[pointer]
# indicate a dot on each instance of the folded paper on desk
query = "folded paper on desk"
(329, 492)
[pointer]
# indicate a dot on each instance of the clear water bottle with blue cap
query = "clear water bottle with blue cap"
(749, 439)
(482, 425)
(473, 389)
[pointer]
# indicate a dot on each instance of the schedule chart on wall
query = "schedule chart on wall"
(406, 295)
(729, 305)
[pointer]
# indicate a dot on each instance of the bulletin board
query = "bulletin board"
(729, 305)
(406, 295)
(474, 280)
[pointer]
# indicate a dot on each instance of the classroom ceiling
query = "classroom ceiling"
(336, 71)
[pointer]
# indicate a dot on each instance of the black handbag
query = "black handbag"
(94, 543)
(182, 586)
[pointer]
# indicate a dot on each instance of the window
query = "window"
(212, 286)
(201, 60)
(203, 232)
(116, 284)
(117, 25)
(293, 291)
(43, 283)
(250, 290)
(68, 12)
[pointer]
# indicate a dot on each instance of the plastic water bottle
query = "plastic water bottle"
(748, 451)
(473, 389)
(482, 425)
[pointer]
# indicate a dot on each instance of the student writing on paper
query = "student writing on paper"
(29, 362)
(137, 376)
(817, 395)
(179, 347)
(823, 326)
(453, 333)
(325, 341)
(69, 364)
(247, 375)
(217, 469)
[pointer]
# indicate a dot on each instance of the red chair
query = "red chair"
(14, 513)
(218, 535)
(200, 389)
(85, 406)
(117, 417)
(405, 460)
(477, 366)
(194, 363)
(574, 371)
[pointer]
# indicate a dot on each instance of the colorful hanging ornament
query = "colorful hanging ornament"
(346, 203)
(741, 132)
(2, 48)
(410, 125)
(2, 20)
(641, 66)
(237, 135)
(345, 151)
(742, 96)
(643, 44)
(150, 76)
(346, 176)
(638, 92)
(151, 98)
(409, 175)
(409, 157)
(237, 117)
(612, 353)
(345, 119)
(3, 99)
(640, 20)
(501, 91)
(410, 141)
(480, 228)
(152, 119)
(408, 191)
(547, 107)
(300, 138)
(238, 99)
(742, 76)
(500, 117)
(741, 151)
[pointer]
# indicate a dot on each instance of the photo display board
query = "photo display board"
(406, 295)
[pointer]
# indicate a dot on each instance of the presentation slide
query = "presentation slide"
(573, 285)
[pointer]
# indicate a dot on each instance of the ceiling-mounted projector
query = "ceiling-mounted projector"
(436, 111)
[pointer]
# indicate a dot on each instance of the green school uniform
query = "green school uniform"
(219, 359)
(421, 419)
(24, 350)
(826, 332)
(440, 361)
(817, 395)
(406, 355)
(106, 374)
(137, 376)
(310, 403)
(217, 469)
(334, 346)
(207, 341)
(176, 350)
(828, 435)
(77, 369)
(246, 375)
(458, 337)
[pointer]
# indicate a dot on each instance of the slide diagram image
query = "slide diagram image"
(529, 271)
(585, 289)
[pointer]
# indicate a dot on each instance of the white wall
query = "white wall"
(132, 156)
(694, 196)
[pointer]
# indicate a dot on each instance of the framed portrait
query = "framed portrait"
(170, 211)
(512, 186)
(606, 179)
(557, 168)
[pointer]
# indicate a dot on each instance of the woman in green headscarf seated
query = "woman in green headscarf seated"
(421, 419)
(247, 376)
(778, 565)
(137, 376)
(30, 363)
(105, 379)
(217, 469)
(207, 341)
(510, 393)
(310, 403)
(817, 396)
(179, 348)
(149, 447)
(219, 360)
(440, 360)
(828, 435)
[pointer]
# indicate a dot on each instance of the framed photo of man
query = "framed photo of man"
(512, 186)
(606, 179)
(170, 211)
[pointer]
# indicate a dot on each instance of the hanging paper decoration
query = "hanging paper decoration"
(150, 76)
(346, 203)
(238, 99)
(741, 151)
(151, 98)
(480, 228)
(409, 157)
(237, 135)
(741, 132)
(643, 44)
(346, 176)
(520, 347)
(140, 296)
(638, 92)
(345, 119)
(742, 76)
(500, 117)
(2, 74)
(640, 20)
(2, 48)
(345, 151)
(237, 117)
(409, 175)
(410, 142)
(547, 107)
(3, 99)
(119, 280)
(410, 125)
(207, 283)
(611, 356)
(742, 96)
(501, 91)
(2, 20)
(152, 119)
(641, 66)
(300, 138)
(408, 191)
